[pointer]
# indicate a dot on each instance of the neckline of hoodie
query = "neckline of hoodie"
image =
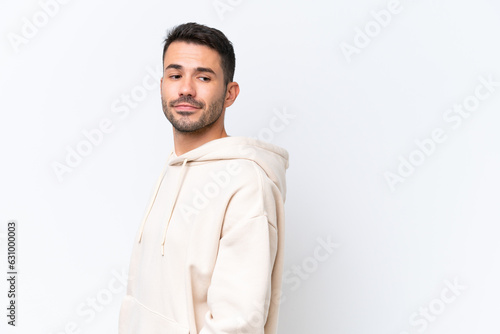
(176, 156)
(262, 144)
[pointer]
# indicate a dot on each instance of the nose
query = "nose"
(187, 87)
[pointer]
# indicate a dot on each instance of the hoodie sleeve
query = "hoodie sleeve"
(240, 290)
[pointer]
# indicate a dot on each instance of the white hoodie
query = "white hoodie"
(208, 258)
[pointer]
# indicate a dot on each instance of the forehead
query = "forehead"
(190, 55)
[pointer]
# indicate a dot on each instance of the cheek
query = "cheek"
(167, 91)
(211, 94)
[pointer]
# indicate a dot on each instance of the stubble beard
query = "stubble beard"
(207, 119)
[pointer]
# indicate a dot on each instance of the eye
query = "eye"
(205, 79)
(175, 76)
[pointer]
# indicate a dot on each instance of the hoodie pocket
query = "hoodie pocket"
(135, 318)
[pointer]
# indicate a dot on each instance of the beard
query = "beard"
(208, 116)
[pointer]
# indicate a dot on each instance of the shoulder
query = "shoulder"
(252, 192)
(247, 174)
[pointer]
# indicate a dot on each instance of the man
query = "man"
(209, 253)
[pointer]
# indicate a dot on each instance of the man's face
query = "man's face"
(192, 88)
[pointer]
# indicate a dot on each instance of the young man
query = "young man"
(208, 257)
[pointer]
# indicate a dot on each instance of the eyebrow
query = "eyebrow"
(197, 69)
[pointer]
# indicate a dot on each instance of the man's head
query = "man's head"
(199, 34)
(197, 84)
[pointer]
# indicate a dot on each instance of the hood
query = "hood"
(271, 158)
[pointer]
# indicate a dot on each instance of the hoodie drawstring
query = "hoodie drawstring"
(177, 190)
(157, 188)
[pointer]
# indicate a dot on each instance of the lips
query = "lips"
(185, 107)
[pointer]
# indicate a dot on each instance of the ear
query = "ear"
(232, 91)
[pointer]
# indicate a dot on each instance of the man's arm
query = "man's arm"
(240, 290)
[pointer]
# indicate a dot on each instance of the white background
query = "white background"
(354, 118)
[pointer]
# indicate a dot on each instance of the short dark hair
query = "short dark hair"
(202, 35)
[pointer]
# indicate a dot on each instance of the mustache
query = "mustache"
(187, 99)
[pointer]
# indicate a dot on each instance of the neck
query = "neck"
(187, 141)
